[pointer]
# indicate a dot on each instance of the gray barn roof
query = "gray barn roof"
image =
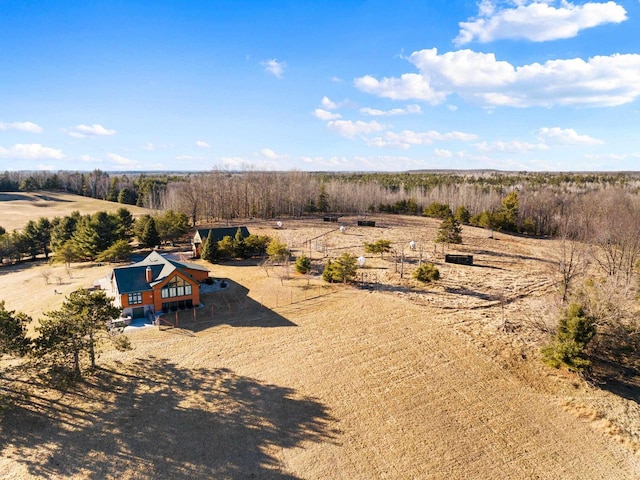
(218, 233)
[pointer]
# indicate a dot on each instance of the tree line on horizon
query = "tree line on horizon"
(219, 195)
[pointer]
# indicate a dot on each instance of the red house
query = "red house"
(156, 284)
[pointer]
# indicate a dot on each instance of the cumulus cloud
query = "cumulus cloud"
(274, 67)
(407, 138)
(442, 153)
(33, 151)
(122, 161)
(21, 126)
(95, 130)
(409, 109)
(350, 129)
(410, 86)
(202, 144)
(537, 21)
(325, 115)
(565, 136)
(481, 78)
(328, 104)
(271, 155)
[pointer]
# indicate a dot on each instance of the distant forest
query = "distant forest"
(577, 204)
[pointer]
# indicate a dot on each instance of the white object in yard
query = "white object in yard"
(279, 224)
(361, 261)
(343, 229)
(412, 245)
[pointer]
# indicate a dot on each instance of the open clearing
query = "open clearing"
(17, 208)
(297, 379)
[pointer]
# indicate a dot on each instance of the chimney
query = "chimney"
(148, 274)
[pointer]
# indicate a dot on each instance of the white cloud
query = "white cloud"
(537, 21)
(442, 153)
(274, 67)
(325, 115)
(565, 136)
(409, 109)
(122, 161)
(410, 86)
(21, 126)
(407, 138)
(42, 166)
(513, 146)
(613, 156)
(271, 155)
(349, 128)
(95, 130)
(328, 104)
(480, 78)
(202, 144)
(152, 147)
(90, 159)
(33, 151)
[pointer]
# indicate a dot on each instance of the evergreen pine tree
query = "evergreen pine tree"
(450, 231)
(150, 237)
(209, 250)
(569, 346)
(239, 247)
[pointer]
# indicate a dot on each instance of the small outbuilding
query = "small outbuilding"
(217, 234)
(459, 259)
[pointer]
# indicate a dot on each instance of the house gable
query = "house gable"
(143, 284)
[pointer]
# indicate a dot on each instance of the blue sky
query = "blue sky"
(324, 85)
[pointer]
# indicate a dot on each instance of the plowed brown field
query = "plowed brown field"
(290, 378)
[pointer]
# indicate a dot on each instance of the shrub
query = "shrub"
(303, 264)
(379, 246)
(342, 269)
(437, 210)
(427, 273)
(569, 345)
(277, 251)
(256, 244)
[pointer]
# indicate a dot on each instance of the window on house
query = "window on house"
(177, 287)
(135, 298)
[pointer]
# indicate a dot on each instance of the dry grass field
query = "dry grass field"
(289, 378)
(17, 208)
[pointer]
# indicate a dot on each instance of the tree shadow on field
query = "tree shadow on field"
(617, 374)
(232, 306)
(153, 419)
